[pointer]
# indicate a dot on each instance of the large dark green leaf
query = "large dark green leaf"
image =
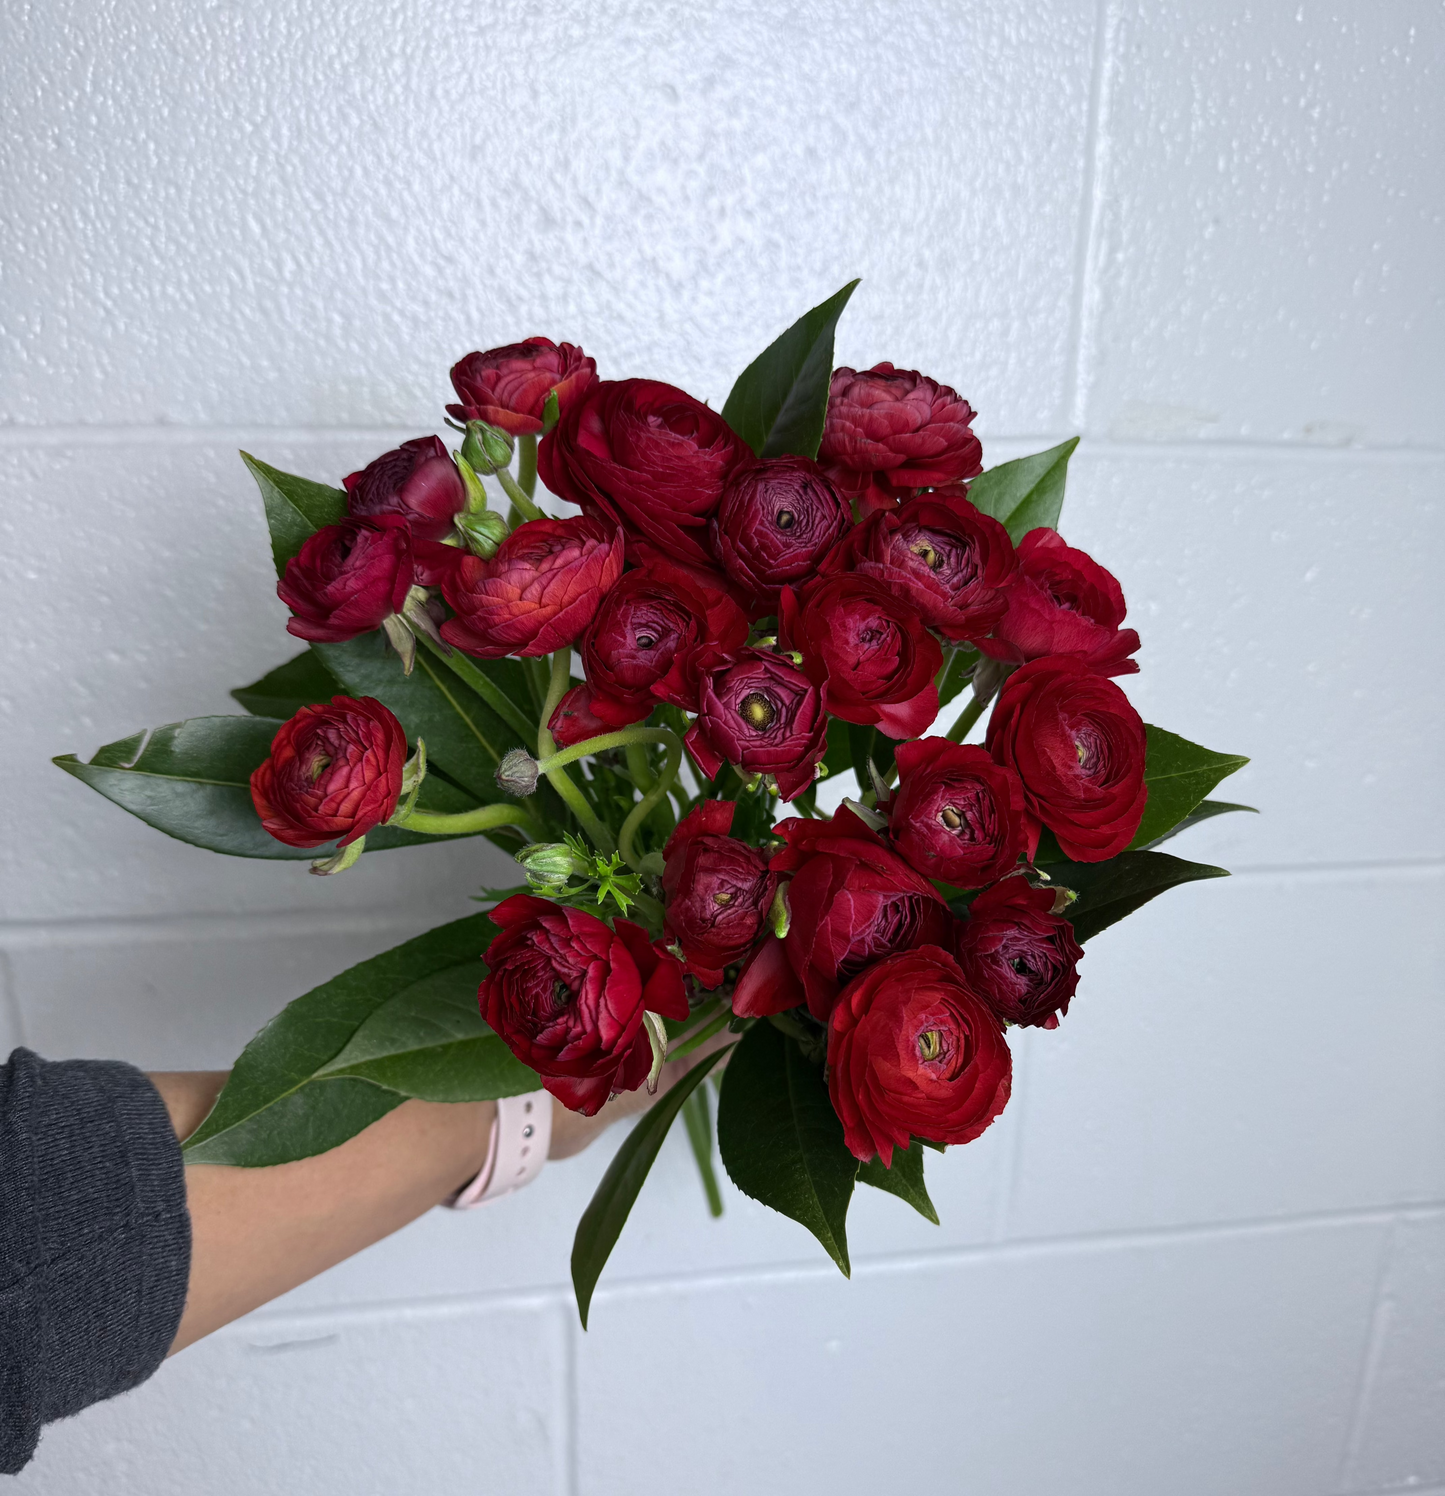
(697, 1118)
(463, 735)
(781, 1140)
(1206, 810)
(1179, 775)
(344, 1054)
(780, 400)
(285, 690)
(1026, 494)
(192, 780)
(1109, 890)
(957, 671)
(607, 1212)
(296, 508)
(904, 1178)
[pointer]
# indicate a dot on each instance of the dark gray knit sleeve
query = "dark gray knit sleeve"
(95, 1241)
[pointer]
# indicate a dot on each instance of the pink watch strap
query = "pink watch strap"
(521, 1135)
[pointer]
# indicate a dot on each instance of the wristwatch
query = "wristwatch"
(521, 1135)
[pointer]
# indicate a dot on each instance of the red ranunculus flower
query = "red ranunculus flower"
(762, 715)
(334, 771)
(866, 650)
(508, 387)
(347, 578)
(956, 815)
(718, 891)
(1063, 602)
(538, 592)
(1020, 959)
(654, 631)
(574, 720)
(1078, 746)
(646, 456)
(941, 556)
(776, 522)
(418, 481)
(851, 902)
(913, 1053)
(567, 996)
(891, 431)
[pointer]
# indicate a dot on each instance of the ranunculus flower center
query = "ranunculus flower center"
(757, 711)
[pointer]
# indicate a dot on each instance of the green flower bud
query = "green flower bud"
(487, 448)
(517, 773)
(482, 532)
(550, 864)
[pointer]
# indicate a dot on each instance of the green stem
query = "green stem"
(485, 818)
(553, 764)
(699, 1037)
(486, 688)
(638, 767)
(966, 718)
(521, 501)
(527, 464)
(643, 808)
(623, 738)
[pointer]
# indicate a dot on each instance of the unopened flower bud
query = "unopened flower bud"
(550, 864)
(482, 532)
(487, 448)
(517, 773)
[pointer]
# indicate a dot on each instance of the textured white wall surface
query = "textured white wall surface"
(1204, 1250)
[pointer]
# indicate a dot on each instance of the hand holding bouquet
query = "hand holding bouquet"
(792, 588)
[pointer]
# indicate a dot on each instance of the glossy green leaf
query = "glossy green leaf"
(1109, 890)
(607, 1212)
(296, 508)
(192, 780)
(1179, 775)
(1026, 494)
(780, 1139)
(283, 691)
(697, 1116)
(1206, 810)
(780, 400)
(957, 671)
(312, 1077)
(904, 1179)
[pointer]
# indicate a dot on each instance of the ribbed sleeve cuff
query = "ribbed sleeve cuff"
(95, 1240)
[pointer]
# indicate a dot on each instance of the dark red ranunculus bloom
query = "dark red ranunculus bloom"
(567, 996)
(1078, 746)
(347, 578)
(647, 456)
(941, 556)
(956, 814)
(1020, 959)
(891, 431)
(850, 902)
(507, 387)
(761, 714)
(912, 1052)
(334, 771)
(653, 633)
(1063, 602)
(538, 593)
(575, 720)
(418, 481)
(866, 650)
(718, 892)
(776, 522)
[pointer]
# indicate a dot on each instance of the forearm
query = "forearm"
(256, 1233)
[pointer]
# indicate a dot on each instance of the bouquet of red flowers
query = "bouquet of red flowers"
(788, 589)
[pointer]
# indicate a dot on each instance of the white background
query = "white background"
(1204, 1251)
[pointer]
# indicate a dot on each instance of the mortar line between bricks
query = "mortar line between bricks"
(572, 1471)
(279, 1320)
(1370, 1357)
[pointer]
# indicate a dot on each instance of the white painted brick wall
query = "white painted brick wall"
(1202, 1253)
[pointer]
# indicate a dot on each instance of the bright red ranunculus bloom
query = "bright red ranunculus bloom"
(347, 578)
(647, 456)
(418, 481)
(956, 814)
(538, 593)
(1078, 746)
(890, 432)
(867, 652)
(1020, 958)
(851, 902)
(1063, 602)
(912, 1052)
(760, 713)
(718, 892)
(334, 771)
(508, 387)
(567, 996)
